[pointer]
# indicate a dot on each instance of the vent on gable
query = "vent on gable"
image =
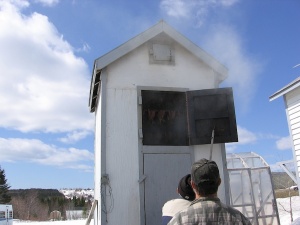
(161, 54)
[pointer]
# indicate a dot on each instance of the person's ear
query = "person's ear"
(219, 181)
(193, 184)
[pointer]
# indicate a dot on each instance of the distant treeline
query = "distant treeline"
(281, 180)
(37, 204)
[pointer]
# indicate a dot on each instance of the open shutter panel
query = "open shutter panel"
(210, 109)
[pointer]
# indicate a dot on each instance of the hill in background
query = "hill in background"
(281, 180)
(37, 204)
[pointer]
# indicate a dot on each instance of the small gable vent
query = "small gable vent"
(161, 54)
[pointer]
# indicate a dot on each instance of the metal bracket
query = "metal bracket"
(142, 178)
(140, 132)
(104, 179)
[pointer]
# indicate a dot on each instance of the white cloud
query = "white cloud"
(44, 85)
(36, 151)
(176, 8)
(47, 2)
(244, 137)
(224, 41)
(74, 136)
(275, 168)
(198, 9)
(284, 143)
(7, 5)
(85, 48)
(230, 147)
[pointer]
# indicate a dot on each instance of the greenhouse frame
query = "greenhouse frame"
(251, 188)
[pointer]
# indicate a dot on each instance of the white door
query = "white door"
(163, 172)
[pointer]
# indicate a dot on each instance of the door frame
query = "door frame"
(143, 149)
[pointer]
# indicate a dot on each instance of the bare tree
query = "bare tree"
(284, 182)
(290, 209)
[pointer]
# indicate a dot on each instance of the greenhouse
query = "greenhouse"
(251, 188)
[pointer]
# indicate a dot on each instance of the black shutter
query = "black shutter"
(164, 118)
(210, 109)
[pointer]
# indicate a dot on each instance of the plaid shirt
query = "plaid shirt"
(209, 211)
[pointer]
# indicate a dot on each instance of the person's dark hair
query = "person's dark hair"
(205, 175)
(185, 189)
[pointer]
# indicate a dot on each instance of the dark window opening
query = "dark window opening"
(164, 118)
(188, 118)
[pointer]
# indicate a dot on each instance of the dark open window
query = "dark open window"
(164, 118)
(188, 118)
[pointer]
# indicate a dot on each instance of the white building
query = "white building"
(291, 96)
(6, 214)
(145, 139)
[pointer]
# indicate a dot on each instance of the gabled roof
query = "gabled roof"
(291, 86)
(160, 28)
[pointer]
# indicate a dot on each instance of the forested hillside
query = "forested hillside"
(37, 204)
(281, 180)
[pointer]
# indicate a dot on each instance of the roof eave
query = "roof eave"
(103, 61)
(150, 33)
(128, 46)
(291, 86)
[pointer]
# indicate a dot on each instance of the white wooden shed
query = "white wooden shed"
(144, 138)
(291, 96)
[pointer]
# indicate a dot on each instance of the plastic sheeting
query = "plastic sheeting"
(251, 188)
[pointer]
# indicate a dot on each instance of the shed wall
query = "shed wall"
(134, 70)
(100, 145)
(219, 156)
(292, 101)
(121, 155)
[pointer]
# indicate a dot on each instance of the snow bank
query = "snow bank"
(283, 205)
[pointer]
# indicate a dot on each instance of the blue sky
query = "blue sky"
(47, 50)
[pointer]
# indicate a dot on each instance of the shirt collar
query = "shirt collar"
(202, 199)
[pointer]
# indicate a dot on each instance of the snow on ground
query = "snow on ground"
(283, 205)
(67, 222)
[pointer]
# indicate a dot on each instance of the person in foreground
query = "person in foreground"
(173, 206)
(207, 208)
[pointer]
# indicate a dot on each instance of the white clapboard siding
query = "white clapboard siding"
(295, 126)
(291, 95)
(293, 113)
(296, 131)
